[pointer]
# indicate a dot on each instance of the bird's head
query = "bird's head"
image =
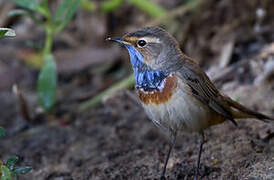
(151, 46)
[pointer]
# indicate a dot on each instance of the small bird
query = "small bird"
(175, 92)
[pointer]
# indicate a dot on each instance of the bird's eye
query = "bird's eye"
(141, 43)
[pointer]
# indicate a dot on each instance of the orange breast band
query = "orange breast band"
(159, 96)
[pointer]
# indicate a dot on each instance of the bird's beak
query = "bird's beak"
(119, 40)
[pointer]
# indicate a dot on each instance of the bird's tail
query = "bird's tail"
(239, 111)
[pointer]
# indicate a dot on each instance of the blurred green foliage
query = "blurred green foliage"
(111, 5)
(147, 6)
(6, 32)
(54, 23)
(32, 5)
(125, 83)
(47, 83)
(7, 170)
(88, 5)
(64, 13)
(152, 9)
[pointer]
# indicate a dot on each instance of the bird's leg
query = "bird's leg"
(199, 156)
(171, 144)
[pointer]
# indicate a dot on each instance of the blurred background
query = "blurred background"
(67, 102)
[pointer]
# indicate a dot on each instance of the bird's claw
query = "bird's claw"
(162, 178)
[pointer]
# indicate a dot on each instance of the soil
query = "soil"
(119, 142)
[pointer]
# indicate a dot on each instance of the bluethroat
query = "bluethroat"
(175, 92)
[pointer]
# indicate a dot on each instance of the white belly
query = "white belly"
(181, 112)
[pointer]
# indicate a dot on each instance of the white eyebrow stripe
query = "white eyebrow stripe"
(151, 39)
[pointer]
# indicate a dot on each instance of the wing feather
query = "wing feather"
(204, 90)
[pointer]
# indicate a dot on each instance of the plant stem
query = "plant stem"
(49, 40)
(49, 27)
(125, 83)
(108, 6)
(149, 7)
(175, 12)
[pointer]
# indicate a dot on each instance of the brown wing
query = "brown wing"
(203, 89)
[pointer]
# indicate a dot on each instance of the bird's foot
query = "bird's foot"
(162, 178)
(202, 171)
(196, 174)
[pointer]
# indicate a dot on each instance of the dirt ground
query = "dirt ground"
(119, 142)
(116, 140)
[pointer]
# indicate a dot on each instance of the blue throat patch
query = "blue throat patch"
(145, 77)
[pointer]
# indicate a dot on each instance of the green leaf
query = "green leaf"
(6, 32)
(110, 5)
(17, 12)
(2, 132)
(65, 12)
(47, 83)
(44, 4)
(22, 170)
(5, 173)
(3, 32)
(11, 162)
(32, 5)
(28, 4)
(88, 5)
(149, 7)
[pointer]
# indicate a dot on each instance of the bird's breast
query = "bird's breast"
(174, 107)
(161, 95)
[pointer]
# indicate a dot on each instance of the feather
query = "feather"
(203, 89)
(243, 112)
